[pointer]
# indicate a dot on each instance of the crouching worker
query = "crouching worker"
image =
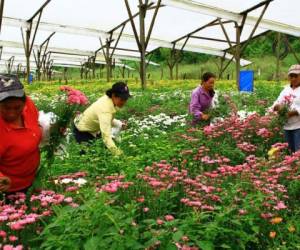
(98, 119)
(20, 135)
(202, 98)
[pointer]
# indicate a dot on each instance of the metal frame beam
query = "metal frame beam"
(228, 15)
(211, 39)
(192, 48)
(96, 33)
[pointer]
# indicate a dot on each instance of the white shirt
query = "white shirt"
(294, 121)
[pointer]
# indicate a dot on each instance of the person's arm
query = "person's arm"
(105, 120)
(195, 106)
(295, 108)
(277, 104)
(4, 180)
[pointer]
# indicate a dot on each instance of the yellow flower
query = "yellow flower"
(272, 234)
(276, 220)
(272, 151)
(291, 229)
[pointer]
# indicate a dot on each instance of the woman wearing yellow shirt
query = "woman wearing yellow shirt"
(99, 117)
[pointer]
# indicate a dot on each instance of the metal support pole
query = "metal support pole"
(238, 55)
(19, 67)
(143, 45)
(108, 61)
(65, 75)
(142, 39)
(28, 45)
(9, 64)
(27, 54)
(93, 59)
(1, 12)
(39, 60)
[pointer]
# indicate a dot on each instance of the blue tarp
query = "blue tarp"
(246, 80)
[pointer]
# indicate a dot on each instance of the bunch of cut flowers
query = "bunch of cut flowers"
(283, 109)
(70, 102)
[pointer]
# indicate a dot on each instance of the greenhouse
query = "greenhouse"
(149, 124)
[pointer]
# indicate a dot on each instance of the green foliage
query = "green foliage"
(118, 220)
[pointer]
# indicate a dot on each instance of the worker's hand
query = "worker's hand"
(124, 124)
(292, 113)
(4, 183)
(205, 117)
(277, 107)
(116, 152)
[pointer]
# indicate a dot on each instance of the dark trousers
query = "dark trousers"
(293, 139)
(82, 136)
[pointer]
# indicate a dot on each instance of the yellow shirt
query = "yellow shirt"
(99, 117)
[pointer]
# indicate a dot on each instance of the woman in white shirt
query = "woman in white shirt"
(291, 95)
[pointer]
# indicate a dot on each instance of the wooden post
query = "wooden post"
(142, 39)
(1, 12)
(143, 9)
(238, 55)
(28, 45)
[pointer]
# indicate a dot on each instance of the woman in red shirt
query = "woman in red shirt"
(20, 136)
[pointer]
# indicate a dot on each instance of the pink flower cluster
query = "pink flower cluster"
(11, 247)
(161, 176)
(246, 147)
(185, 247)
(48, 198)
(74, 96)
(115, 183)
(264, 133)
(243, 131)
(167, 218)
(288, 99)
(16, 216)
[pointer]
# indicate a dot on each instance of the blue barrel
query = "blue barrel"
(246, 80)
(30, 78)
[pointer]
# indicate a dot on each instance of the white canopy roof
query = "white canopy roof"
(80, 24)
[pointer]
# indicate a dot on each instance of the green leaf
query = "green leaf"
(177, 236)
(92, 243)
(255, 229)
(171, 246)
(206, 245)
(225, 246)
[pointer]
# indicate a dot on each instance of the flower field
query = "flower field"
(227, 184)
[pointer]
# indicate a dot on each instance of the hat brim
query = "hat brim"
(295, 71)
(125, 96)
(11, 93)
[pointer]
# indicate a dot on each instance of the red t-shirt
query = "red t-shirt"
(19, 149)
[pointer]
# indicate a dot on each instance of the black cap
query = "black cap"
(121, 90)
(10, 86)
